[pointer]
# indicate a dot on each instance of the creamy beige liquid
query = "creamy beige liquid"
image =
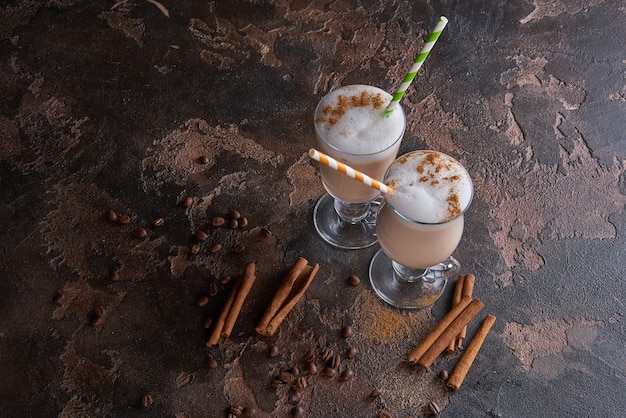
(350, 126)
(421, 222)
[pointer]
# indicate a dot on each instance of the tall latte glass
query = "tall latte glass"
(351, 126)
(419, 226)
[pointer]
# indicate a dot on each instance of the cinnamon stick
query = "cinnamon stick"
(468, 288)
(451, 332)
(288, 294)
(465, 362)
(456, 298)
(425, 344)
(228, 316)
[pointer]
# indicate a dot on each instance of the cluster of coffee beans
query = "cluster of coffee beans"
(233, 220)
(237, 411)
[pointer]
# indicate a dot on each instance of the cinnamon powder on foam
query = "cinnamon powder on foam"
(332, 114)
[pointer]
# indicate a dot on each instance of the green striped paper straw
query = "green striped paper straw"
(419, 60)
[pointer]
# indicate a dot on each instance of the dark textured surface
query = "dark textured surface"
(109, 106)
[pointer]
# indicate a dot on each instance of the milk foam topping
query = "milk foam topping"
(351, 119)
(429, 187)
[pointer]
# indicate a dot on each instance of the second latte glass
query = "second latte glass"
(351, 126)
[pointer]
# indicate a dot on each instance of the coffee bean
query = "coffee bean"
(213, 290)
(59, 298)
(265, 232)
(273, 351)
(99, 310)
(301, 384)
(354, 280)
(298, 412)
(215, 248)
(195, 249)
(115, 275)
(202, 301)
(183, 379)
(201, 236)
(187, 201)
(124, 219)
(111, 216)
(309, 357)
(334, 362)
(351, 352)
(276, 383)
(346, 375)
(286, 377)
(236, 410)
(384, 414)
(375, 393)
(96, 321)
(327, 353)
(158, 222)
(218, 221)
(242, 222)
(233, 224)
(211, 363)
(239, 248)
(234, 214)
(346, 331)
(433, 408)
(294, 370)
(206, 324)
(225, 279)
(443, 374)
(146, 400)
(311, 368)
(329, 372)
(203, 159)
(141, 233)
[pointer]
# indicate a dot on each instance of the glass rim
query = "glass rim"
(321, 137)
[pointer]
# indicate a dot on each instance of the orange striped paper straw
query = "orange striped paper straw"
(349, 171)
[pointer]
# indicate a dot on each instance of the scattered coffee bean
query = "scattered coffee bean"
(234, 214)
(213, 290)
(124, 219)
(311, 368)
(273, 351)
(276, 383)
(309, 357)
(99, 310)
(265, 232)
(236, 410)
(239, 248)
(203, 159)
(59, 298)
(218, 221)
(329, 372)
(115, 275)
(294, 370)
(111, 216)
(225, 279)
(202, 301)
(201, 236)
(334, 361)
(183, 379)
(384, 414)
(187, 201)
(206, 324)
(375, 393)
(286, 377)
(327, 353)
(242, 222)
(141, 233)
(301, 384)
(215, 248)
(96, 321)
(158, 222)
(298, 412)
(346, 332)
(346, 375)
(211, 363)
(351, 352)
(354, 280)
(433, 408)
(195, 249)
(233, 224)
(146, 400)
(443, 374)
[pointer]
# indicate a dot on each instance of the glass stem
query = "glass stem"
(408, 274)
(352, 212)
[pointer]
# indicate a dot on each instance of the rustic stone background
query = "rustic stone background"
(109, 105)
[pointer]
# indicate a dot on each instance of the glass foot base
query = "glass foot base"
(341, 234)
(410, 293)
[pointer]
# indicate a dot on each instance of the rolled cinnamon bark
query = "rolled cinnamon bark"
(468, 288)
(441, 326)
(450, 333)
(465, 362)
(456, 298)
